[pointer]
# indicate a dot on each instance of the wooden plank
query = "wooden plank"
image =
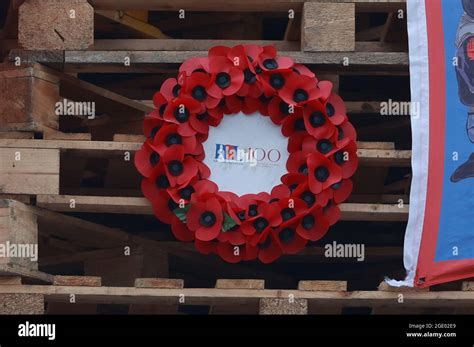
(374, 212)
(46, 25)
(25, 273)
(237, 6)
(67, 136)
(323, 285)
(367, 156)
(205, 44)
(27, 304)
(27, 98)
(468, 286)
(17, 135)
(285, 306)
(328, 27)
(159, 283)
(132, 205)
(18, 233)
(129, 138)
(362, 59)
(78, 230)
(240, 284)
(133, 23)
(251, 308)
(29, 171)
(184, 44)
(401, 308)
(10, 280)
(85, 281)
(207, 296)
(383, 286)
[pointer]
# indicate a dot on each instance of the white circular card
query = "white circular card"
(246, 154)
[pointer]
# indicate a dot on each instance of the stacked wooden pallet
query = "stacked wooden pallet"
(85, 295)
(69, 183)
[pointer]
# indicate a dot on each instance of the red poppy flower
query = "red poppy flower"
(291, 210)
(340, 191)
(192, 190)
(250, 87)
(236, 253)
(180, 230)
(278, 110)
(292, 124)
(297, 162)
(326, 146)
(322, 172)
(163, 206)
(160, 102)
(234, 104)
(313, 226)
(268, 216)
(170, 89)
(332, 213)
(280, 191)
(274, 81)
(206, 247)
(196, 64)
(269, 247)
(204, 171)
(250, 105)
(303, 70)
(295, 142)
(146, 158)
(268, 60)
(179, 111)
(335, 109)
(156, 182)
(226, 78)
(151, 125)
(205, 218)
(168, 137)
(219, 51)
(311, 200)
(180, 169)
(346, 158)
(299, 90)
(290, 241)
(325, 88)
(233, 236)
(253, 53)
(317, 122)
(196, 86)
(345, 130)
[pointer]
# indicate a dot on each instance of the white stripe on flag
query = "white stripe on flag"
(419, 84)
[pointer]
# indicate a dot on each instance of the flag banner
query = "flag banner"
(439, 242)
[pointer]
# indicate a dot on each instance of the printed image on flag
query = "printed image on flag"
(439, 242)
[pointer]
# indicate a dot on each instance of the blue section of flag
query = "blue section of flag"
(456, 231)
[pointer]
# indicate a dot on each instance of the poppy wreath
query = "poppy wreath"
(321, 145)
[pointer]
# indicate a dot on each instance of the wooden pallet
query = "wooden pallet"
(311, 26)
(83, 294)
(72, 159)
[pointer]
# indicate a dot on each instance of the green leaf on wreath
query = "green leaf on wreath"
(180, 212)
(228, 223)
